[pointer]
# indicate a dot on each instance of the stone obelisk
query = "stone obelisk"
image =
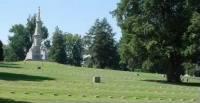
(34, 52)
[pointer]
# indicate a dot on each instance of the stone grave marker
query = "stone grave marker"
(96, 79)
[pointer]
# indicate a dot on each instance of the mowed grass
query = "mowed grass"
(57, 83)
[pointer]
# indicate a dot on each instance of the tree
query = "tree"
(1, 51)
(47, 44)
(101, 45)
(18, 42)
(10, 54)
(191, 38)
(74, 48)
(57, 51)
(154, 31)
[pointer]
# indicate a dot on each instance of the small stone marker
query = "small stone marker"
(96, 79)
(12, 92)
(138, 74)
(55, 94)
(39, 67)
(110, 97)
(97, 96)
(83, 96)
(26, 93)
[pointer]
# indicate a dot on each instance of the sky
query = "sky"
(73, 16)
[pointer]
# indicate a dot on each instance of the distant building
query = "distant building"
(36, 52)
(87, 60)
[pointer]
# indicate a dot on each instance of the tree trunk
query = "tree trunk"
(174, 70)
(173, 76)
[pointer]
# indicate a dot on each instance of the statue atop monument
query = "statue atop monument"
(35, 52)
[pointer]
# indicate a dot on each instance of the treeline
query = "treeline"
(66, 48)
(97, 48)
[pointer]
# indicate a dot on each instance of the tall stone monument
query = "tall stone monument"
(35, 52)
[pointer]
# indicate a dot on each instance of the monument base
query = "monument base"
(34, 53)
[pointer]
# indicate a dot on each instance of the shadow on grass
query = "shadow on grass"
(22, 77)
(181, 84)
(9, 65)
(3, 100)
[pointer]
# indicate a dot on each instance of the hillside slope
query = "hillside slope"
(24, 81)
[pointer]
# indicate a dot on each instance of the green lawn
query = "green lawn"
(56, 83)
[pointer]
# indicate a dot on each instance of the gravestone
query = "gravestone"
(39, 67)
(96, 79)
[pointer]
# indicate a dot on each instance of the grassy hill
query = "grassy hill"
(56, 83)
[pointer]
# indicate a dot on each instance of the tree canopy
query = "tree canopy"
(74, 49)
(159, 32)
(101, 44)
(57, 51)
(18, 42)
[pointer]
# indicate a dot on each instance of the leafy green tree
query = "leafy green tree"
(18, 42)
(74, 48)
(154, 33)
(9, 54)
(101, 45)
(1, 51)
(57, 51)
(47, 44)
(191, 38)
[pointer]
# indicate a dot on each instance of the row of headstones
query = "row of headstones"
(122, 97)
(97, 79)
